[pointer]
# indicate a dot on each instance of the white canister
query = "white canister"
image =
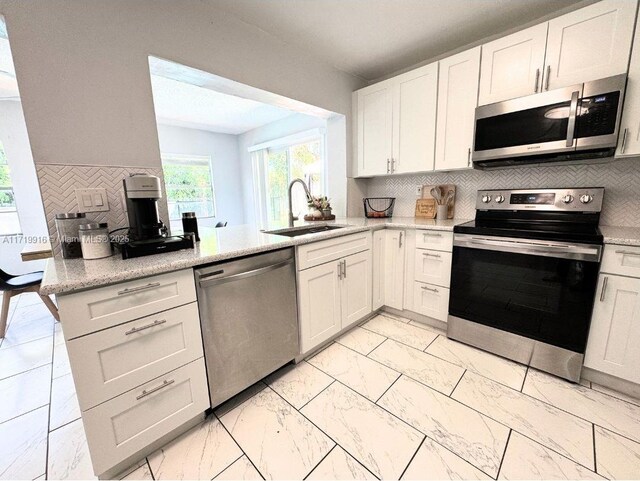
(94, 239)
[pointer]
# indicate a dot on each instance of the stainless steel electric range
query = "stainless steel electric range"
(524, 276)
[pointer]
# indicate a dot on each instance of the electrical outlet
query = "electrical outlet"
(419, 191)
(92, 200)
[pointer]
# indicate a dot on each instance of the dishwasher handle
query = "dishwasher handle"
(204, 281)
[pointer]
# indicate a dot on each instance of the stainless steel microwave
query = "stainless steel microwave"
(569, 124)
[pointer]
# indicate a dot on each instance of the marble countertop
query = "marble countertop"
(68, 275)
(626, 236)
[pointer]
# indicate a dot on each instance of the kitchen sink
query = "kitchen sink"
(312, 229)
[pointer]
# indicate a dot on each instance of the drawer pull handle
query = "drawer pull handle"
(427, 254)
(428, 234)
(628, 253)
(145, 393)
(604, 288)
(425, 288)
(136, 289)
(142, 328)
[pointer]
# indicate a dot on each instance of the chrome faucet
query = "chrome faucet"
(306, 189)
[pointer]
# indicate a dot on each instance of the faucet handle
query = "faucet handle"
(294, 217)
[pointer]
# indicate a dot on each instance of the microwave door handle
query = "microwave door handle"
(573, 112)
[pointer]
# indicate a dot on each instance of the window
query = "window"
(275, 167)
(189, 185)
(9, 221)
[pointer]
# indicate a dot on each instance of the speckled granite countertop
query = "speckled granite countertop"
(68, 275)
(626, 236)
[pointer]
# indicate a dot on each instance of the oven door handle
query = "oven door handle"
(584, 252)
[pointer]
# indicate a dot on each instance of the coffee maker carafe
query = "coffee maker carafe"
(142, 192)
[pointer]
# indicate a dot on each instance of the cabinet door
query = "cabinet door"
(512, 66)
(431, 301)
(394, 268)
(629, 142)
(356, 288)
(320, 304)
(374, 129)
(378, 273)
(591, 43)
(457, 100)
(415, 96)
(433, 267)
(615, 327)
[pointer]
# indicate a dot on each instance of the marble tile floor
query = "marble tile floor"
(391, 399)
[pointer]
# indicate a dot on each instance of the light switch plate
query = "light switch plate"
(92, 200)
(419, 191)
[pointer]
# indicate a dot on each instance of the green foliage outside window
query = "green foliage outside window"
(189, 186)
(6, 191)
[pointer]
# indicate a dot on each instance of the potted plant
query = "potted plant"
(319, 207)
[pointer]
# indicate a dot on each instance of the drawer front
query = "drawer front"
(435, 240)
(430, 300)
(433, 267)
(128, 423)
(623, 260)
(110, 362)
(310, 255)
(89, 311)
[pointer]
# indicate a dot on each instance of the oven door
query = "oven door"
(542, 291)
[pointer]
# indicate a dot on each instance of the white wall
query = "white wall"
(225, 163)
(288, 126)
(13, 135)
(83, 72)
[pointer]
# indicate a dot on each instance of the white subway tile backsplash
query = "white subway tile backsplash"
(621, 180)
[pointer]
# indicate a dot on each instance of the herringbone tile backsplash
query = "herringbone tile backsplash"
(58, 184)
(621, 180)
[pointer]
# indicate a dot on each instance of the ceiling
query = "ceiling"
(185, 105)
(374, 38)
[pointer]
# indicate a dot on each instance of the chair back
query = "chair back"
(4, 277)
(221, 224)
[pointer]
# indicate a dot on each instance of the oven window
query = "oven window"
(542, 298)
(524, 127)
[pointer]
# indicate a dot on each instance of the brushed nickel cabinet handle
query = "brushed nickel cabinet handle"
(628, 253)
(425, 288)
(469, 157)
(137, 289)
(393, 165)
(429, 234)
(344, 269)
(400, 239)
(427, 254)
(142, 328)
(546, 83)
(624, 141)
(388, 166)
(340, 270)
(604, 288)
(535, 89)
(164, 384)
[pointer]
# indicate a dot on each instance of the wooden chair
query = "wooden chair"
(13, 285)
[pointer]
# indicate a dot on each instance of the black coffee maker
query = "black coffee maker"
(147, 233)
(142, 192)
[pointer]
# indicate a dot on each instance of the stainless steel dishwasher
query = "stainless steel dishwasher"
(248, 312)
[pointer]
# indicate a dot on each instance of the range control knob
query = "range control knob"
(567, 199)
(486, 198)
(499, 198)
(586, 198)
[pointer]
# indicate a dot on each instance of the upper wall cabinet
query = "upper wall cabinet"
(457, 101)
(397, 123)
(588, 44)
(415, 97)
(629, 141)
(374, 129)
(512, 66)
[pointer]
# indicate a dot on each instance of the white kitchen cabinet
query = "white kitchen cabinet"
(629, 141)
(431, 300)
(433, 267)
(374, 127)
(590, 43)
(457, 99)
(333, 295)
(356, 288)
(615, 328)
(512, 66)
(378, 269)
(415, 96)
(394, 268)
(320, 303)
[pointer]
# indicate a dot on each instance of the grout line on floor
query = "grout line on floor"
(385, 391)
(504, 453)
(22, 414)
(593, 434)
(524, 379)
(457, 384)
(424, 437)
(434, 340)
(236, 441)
(146, 460)
(230, 464)
(315, 396)
(319, 462)
(49, 414)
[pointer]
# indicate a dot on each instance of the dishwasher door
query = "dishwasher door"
(249, 317)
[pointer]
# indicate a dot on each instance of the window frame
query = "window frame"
(10, 189)
(185, 158)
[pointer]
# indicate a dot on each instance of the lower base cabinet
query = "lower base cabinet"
(134, 420)
(431, 300)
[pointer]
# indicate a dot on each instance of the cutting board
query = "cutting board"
(426, 194)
